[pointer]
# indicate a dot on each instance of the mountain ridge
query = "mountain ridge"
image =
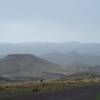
(72, 57)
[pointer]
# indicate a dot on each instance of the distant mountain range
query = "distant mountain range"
(40, 49)
(73, 58)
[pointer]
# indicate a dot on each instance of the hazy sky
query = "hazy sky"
(49, 20)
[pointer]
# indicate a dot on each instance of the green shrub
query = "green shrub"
(98, 97)
(35, 90)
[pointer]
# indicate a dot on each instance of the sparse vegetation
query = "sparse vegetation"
(10, 90)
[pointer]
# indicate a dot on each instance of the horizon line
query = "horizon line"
(28, 42)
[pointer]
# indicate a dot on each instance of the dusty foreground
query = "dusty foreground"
(83, 93)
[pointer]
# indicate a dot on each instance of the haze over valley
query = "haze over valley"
(33, 61)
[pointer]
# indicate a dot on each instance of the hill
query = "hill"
(27, 66)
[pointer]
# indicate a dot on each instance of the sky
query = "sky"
(49, 21)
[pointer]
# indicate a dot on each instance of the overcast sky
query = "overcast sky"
(49, 20)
